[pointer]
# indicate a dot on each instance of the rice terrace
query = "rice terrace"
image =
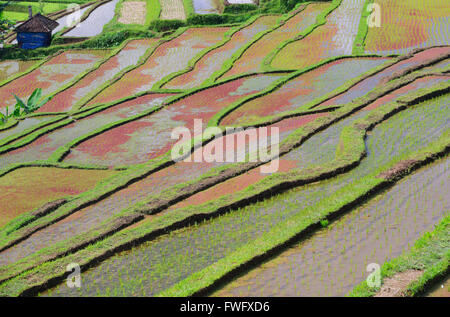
(220, 148)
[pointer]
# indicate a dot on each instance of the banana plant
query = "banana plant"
(4, 117)
(22, 108)
(31, 105)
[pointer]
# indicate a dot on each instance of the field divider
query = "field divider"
(429, 64)
(164, 160)
(134, 174)
(101, 249)
(433, 271)
(113, 53)
(193, 62)
(321, 20)
(308, 106)
(8, 140)
(38, 64)
(296, 227)
(61, 152)
(10, 124)
(363, 29)
(227, 65)
(145, 57)
(188, 8)
(108, 226)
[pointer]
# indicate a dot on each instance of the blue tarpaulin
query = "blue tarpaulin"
(31, 41)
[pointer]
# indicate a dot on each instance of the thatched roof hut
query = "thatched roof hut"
(35, 32)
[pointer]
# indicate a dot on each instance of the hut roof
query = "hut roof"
(38, 23)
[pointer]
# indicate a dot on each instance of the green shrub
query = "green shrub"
(113, 39)
(215, 19)
(206, 19)
(324, 223)
(240, 8)
(279, 6)
(106, 40)
(166, 25)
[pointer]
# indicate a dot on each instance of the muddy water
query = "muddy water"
(12, 67)
(94, 24)
(91, 216)
(25, 124)
(333, 261)
(158, 264)
(70, 19)
(206, 6)
(441, 289)
(44, 146)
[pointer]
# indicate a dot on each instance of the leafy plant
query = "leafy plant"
(324, 223)
(32, 104)
(21, 108)
(4, 117)
(5, 24)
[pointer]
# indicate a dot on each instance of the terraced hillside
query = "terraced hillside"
(277, 156)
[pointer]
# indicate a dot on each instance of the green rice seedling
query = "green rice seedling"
(209, 241)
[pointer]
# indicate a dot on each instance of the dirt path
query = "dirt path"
(172, 9)
(133, 12)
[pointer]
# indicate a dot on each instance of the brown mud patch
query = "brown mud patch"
(396, 285)
(49, 207)
(398, 170)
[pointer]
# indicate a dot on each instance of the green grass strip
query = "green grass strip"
(193, 62)
(188, 8)
(292, 228)
(363, 29)
(153, 11)
(11, 123)
(227, 65)
(8, 140)
(164, 160)
(54, 270)
(29, 70)
(430, 253)
(304, 108)
(321, 20)
(61, 152)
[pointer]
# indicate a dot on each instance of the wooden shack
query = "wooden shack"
(35, 32)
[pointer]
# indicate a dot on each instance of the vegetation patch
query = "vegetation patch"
(426, 256)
